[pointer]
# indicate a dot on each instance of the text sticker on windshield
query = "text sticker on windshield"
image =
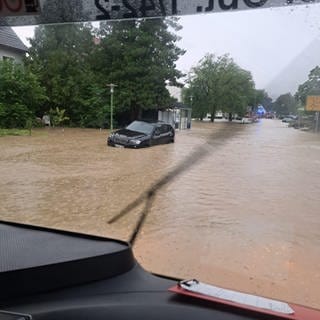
(128, 9)
(19, 7)
(62, 11)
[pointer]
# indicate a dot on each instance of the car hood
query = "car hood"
(130, 134)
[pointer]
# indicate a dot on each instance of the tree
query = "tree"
(285, 104)
(310, 87)
(139, 56)
(20, 95)
(261, 97)
(58, 116)
(62, 56)
(218, 83)
(195, 94)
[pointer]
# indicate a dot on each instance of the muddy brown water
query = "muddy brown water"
(245, 215)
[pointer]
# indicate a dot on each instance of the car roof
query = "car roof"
(152, 121)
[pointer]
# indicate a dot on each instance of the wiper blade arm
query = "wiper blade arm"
(216, 139)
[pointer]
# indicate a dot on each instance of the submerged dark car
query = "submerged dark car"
(140, 134)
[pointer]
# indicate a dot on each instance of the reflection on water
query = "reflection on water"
(245, 216)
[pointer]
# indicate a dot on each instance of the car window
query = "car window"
(141, 126)
(163, 129)
(157, 131)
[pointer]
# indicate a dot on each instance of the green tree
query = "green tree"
(199, 97)
(62, 57)
(261, 97)
(139, 56)
(97, 113)
(285, 104)
(309, 87)
(218, 83)
(58, 116)
(20, 95)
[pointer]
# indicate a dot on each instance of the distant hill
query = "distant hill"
(296, 72)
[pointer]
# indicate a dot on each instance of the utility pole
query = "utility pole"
(191, 99)
(112, 86)
(189, 113)
(317, 122)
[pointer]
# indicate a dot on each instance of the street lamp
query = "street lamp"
(189, 113)
(191, 99)
(112, 86)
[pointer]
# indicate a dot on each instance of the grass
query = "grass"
(14, 132)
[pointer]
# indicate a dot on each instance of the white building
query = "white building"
(11, 47)
(178, 115)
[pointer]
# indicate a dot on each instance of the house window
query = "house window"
(5, 58)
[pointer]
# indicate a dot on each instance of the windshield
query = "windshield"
(140, 126)
(230, 196)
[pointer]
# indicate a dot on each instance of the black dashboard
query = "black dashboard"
(48, 274)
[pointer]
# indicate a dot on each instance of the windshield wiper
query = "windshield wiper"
(216, 140)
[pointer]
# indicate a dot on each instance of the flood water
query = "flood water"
(243, 212)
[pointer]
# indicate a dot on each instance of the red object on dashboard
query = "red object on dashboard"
(300, 312)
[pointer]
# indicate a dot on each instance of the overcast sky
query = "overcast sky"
(263, 41)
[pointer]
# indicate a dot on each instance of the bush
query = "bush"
(20, 95)
(37, 123)
(58, 116)
(96, 117)
(14, 116)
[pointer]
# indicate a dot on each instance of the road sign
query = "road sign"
(55, 11)
(313, 103)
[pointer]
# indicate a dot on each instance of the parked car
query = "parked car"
(246, 120)
(287, 119)
(140, 134)
(219, 115)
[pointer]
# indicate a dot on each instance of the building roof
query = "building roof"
(9, 39)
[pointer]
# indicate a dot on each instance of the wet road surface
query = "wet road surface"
(245, 215)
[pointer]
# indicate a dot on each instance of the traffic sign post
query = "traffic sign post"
(316, 129)
(313, 104)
